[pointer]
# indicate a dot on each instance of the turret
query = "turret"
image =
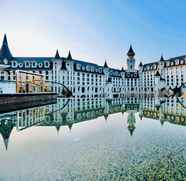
(5, 131)
(105, 64)
(4, 51)
(140, 66)
(131, 52)
(157, 83)
(161, 59)
(69, 57)
(57, 55)
(131, 60)
(106, 69)
(131, 120)
(161, 64)
(57, 128)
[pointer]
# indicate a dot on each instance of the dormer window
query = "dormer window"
(20, 65)
(100, 70)
(34, 64)
(92, 69)
(27, 64)
(78, 66)
(88, 68)
(5, 61)
(83, 68)
(40, 65)
(47, 64)
(177, 62)
(14, 64)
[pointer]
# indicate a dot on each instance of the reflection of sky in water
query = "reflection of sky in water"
(96, 149)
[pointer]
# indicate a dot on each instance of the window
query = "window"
(83, 89)
(2, 76)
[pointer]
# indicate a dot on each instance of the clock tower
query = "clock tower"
(131, 60)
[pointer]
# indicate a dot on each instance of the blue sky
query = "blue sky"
(95, 30)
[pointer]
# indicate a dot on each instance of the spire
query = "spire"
(122, 69)
(69, 57)
(131, 129)
(70, 126)
(161, 59)
(140, 64)
(6, 140)
(141, 116)
(105, 116)
(4, 51)
(131, 52)
(57, 54)
(58, 128)
(5, 131)
(105, 64)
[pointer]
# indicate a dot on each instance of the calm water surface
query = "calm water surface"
(120, 139)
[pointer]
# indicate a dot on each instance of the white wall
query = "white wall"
(7, 87)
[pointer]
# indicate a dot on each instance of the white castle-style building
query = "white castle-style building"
(91, 80)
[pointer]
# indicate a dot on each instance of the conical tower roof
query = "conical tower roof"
(131, 129)
(69, 57)
(105, 64)
(4, 51)
(70, 126)
(57, 128)
(131, 52)
(57, 54)
(161, 59)
(106, 116)
(5, 131)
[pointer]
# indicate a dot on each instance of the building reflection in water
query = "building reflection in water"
(72, 111)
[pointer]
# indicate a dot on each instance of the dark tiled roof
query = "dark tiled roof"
(4, 51)
(38, 59)
(114, 72)
(150, 66)
(167, 63)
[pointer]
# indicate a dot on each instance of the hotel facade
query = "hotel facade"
(89, 80)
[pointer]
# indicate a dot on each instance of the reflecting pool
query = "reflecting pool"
(99, 139)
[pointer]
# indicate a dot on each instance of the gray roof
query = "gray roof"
(4, 51)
